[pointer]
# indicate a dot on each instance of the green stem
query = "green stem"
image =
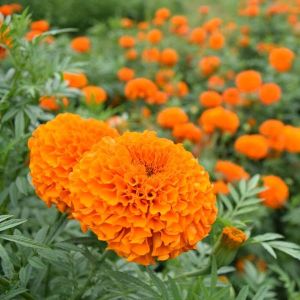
(203, 271)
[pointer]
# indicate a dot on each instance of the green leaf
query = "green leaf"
(267, 237)
(19, 124)
(261, 293)
(6, 264)
(242, 295)
(11, 223)
(22, 240)
(174, 289)
(160, 285)
(269, 249)
(13, 293)
(36, 263)
(5, 217)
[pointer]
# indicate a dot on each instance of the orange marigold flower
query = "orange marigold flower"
(169, 57)
(281, 59)
(219, 118)
(163, 13)
(157, 98)
(273, 130)
(216, 40)
(292, 139)
(164, 76)
(231, 96)
(143, 25)
(94, 94)
(220, 187)
(203, 9)
(269, 93)
(125, 74)
(154, 36)
(41, 25)
(233, 237)
(131, 201)
(51, 103)
(55, 148)
(210, 99)
(179, 89)
(81, 44)
(131, 54)
(248, 81)
(198, 36)
(30, 35)
(212, 24)
(231, 171)
(209, 64)
(215, 82)
(188, 131)
(140, 88)
(151, 55)
(126, 23)
(75, 80)
(171, 116)
(126, 41)
(254, 146)
(276, 193)
(178, 21)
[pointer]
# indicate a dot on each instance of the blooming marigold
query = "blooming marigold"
(198, 36)
(81, 44)
(215, 82)
(41, 25)
(55, 148)
(210, 99)
(220, 187)
(171, 116)
(154, 36)
(212, 24)
(94, 94)
(231, 171)
(219, 118)
(188, 131)
(131, 54)
(273, 130)
(142, 88)
(164, 76)
(269, 93)
(276, 193)
(157, 98)
(163, 13)
(248, 81)
(178, 89)
(233, 237)
(126, 23)
(281, 59)
(216, 40)
(125, 74)
(292, 139)
(231, 96)
(145, 196)
(169, 57)
(75, 80)
(209, 64)
(126, 41)
(151, 55)
(254, 146)
(51, 103)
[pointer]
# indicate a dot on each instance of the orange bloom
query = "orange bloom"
(154, 36)
(219, 118)
(231, 96)
(41, 25)
(216, 40)
(81, 44)
(198, 36)
(126, 41)
(212, 24)
(142, 88)
(269, 93)
(248, 81)
(126, 23)
(131, 54)
(125, 74)
(231, 171)
(292, 139)
(169, 57)
(55, 148)
(254, 146)
(210, 99)
(178, 22)
(94, 94)
(171, 116)
(276, 193)
(143, 25)
(151, 55)
(233, 237)
(203, 9)
(163, 13)
(30, 35)
(131, 201)
(75, 80)
(209, 64)
(157, 98)
(220, 187)
(164, 76)
(281, 59)
(146, 112)
(187, 131)
(179, 89)
(215, 82)
(51, 103)
(273, 130)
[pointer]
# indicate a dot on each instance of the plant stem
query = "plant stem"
(203, 271)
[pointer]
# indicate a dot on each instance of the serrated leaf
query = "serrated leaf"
(6, 264)
(160, 285)
(267, 237)
(5, 217)
(13, 293)
(11, 223)
(261, 293)
(22, 240)
(269, 249)
(174, 289)
(242, 295)
(36, 263)
(19, 124)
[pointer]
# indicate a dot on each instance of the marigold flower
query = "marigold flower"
(210, 99)
(51, 103)
(188, 131)
(231, 171)
(126, 23)
(292, 139)
(157, 98)
(75, 80)
(126, 41)
(151, 55)
(220, 187)
(131, 54)
(81, 44)
(128, 191)
(143, 25)
(273, 130)
(198, 36)
(216, 40)
(276, 193)
(142, 88)
(215, 82)
(154, 36)
(163, 13)
(212, 24)
(233, 237)
(248, 81)
(254, 146)
(94, 94)
(209, 64)
(171, 116)
(55, 148)
(125, 74)
(164, 76)
(41, 25)
(269, 93)
(281, 59)
(219, 118)
(231, 96)
(178, 89)
(168, 57)
(203, 9)
(30, 35)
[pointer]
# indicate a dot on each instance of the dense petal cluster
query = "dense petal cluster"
(140, 88)
(172, 116)
(55, 148)
(231, 171)
(147, 197)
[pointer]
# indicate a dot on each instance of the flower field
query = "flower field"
(151, 154)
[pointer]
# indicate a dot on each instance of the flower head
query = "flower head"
(281, 59)
(94, 94)
(172, 116)
(231, 171)
(81, 44)
(125, 74)
(248, 81)
(269, 93)
(233, 237)
(210, 99)
(140, 88)
(187, 131)
(41, 25)
(169, 57)
(75, 80)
